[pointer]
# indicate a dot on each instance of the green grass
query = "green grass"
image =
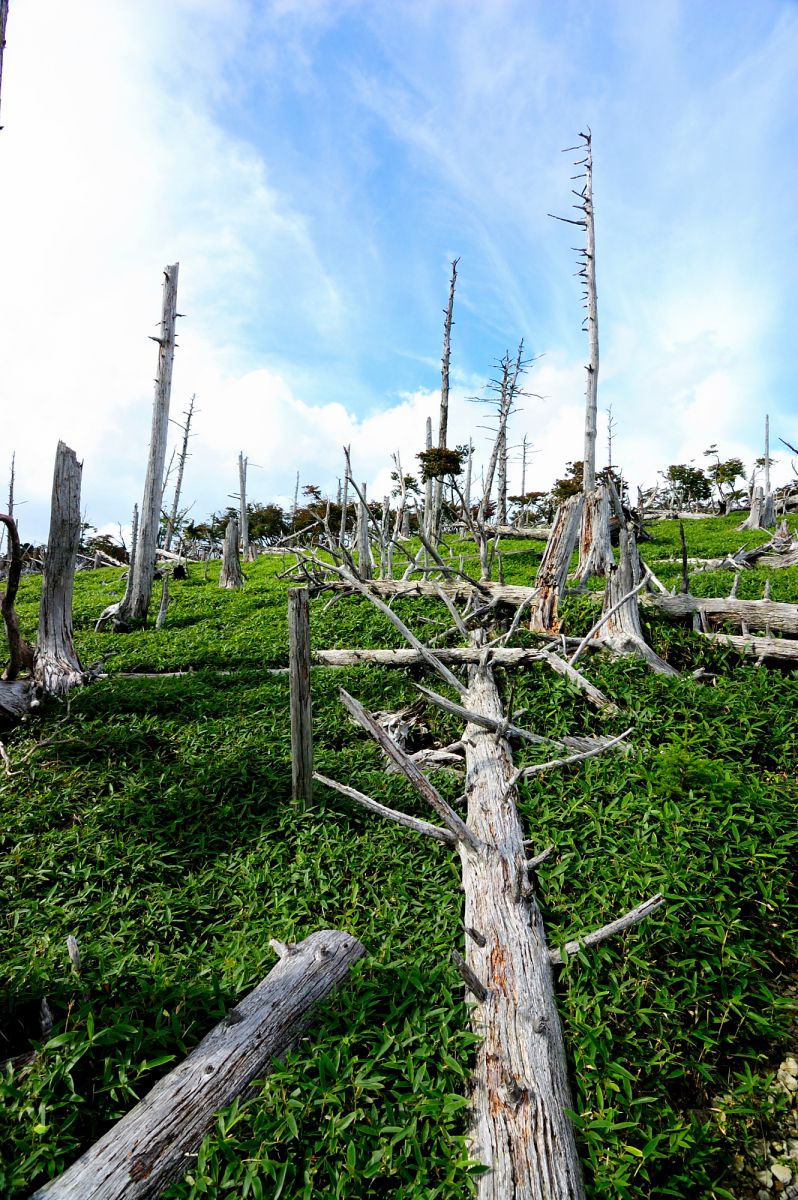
(158, 829)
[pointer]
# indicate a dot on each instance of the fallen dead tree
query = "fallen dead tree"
(759, 648)
(520, 1097)
(757, 614)
(148, 1148)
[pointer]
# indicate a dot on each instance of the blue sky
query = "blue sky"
(314, 167)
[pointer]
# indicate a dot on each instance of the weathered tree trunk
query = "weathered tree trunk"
(363, 546)
(591, 297)
(300, 703)
(429, 517)
(160, 620)
(181, 466)
(755, 516)
(501, 507)
(230, 575)
(246, 549)
(119, 613)
(3, 23)
(555, 564)
(595, 546)
(520, 1095)
(757, 614)
(144, 572)
(760, 648)
(622, 631)
(56, 666)
(443, 422)
(150, 1146)
(17, 699)
(20, 652)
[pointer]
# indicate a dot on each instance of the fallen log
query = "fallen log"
(147, 1149)
(758, 614)
(520, 1096)
(538, 533)
(783, 649)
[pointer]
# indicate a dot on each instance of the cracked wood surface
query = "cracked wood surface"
(520, 1093)
(151, 1146)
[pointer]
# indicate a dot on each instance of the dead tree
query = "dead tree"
(3, 23)
(555, 564)
(230, 575)
(153, 1144)
(594, 542)
(247, 552)
(763, 511)
(443, 421)
(143, 572)
(56, 666)
(181, 466)
(520, 1098)
(620, 626)
(118, 613)
(20, 652)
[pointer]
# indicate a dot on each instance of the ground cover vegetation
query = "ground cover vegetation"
(153, 822)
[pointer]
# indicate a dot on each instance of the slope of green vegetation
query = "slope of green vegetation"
(154, 823)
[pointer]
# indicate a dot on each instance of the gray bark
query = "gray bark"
(758, 614)
(57, 667)
(246, 549)
(150, 1146)
(300, 702)
(591, 398)
(520, 1095)
(181, 466)
(230, 575)
(3, 23)
(622, 632)
(119, 613)
(595, 547)
(363, 547)
(555, 564)
(780, 649)
(443, 423)
(144, 572)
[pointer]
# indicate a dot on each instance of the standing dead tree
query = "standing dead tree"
(443, 420)
(230, 575)
(181, 466)
(20, 652)
(56, 666)
(595, 552)
(135, 605)
(3, 23)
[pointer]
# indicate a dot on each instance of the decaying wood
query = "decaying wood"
(639, 913)
(760, 648)
(119, 612)
(20, 652)
(164, 605)
(17, 698)
(555, 564)
(181, 466)
(56, 667)
(300, 703)
(595, 545)
(520, 1097)
(622, 632)
(230, 574)
(757, 614)
(150, 1146)
(443, 421)
(3, 23)
(538, 533)
(143, 571)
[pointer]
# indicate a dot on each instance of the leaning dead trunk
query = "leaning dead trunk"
(230, 575)
(520, 1095)
(554, 566)
(56, 666)
(622, 631)
(144, 571)
(181, 466)
(153, 1144)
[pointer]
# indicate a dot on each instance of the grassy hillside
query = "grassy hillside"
(156, 826)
